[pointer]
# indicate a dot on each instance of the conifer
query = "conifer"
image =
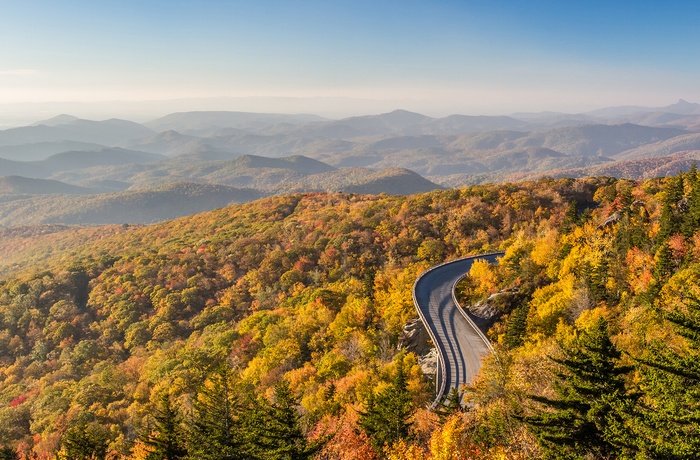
(166, 440)
(387, 417)
(587, 418)
(275, 428)
(669, 421)
(215, 428)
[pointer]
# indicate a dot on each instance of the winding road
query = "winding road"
(460, 344)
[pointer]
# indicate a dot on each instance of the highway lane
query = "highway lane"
(460, 344)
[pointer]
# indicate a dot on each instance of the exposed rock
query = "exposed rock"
(485, 313)
(415, 338)
(428, 363)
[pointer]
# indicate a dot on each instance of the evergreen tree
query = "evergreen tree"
(215, 428)
(516, 325)
(166, 439)
(663, 264)
(8, 453)
(691, 219)
(671, 217)
(84, 441)
(275, 428)
(571, 218)
(387, 416)
(669, 421)
(587, 419)
(451, 406)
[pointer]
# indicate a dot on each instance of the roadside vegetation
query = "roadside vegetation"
(269, 330)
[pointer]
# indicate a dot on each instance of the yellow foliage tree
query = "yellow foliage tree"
(549, 304)
(484, 277)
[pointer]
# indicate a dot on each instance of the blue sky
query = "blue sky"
(438, 57)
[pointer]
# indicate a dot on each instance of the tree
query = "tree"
(387, 416)
(84, 441)
(277, 432)
(8, 453)
(215, 432)
(671, 218)
(571, 218)
(587, 417)
(452, 404)
(669, 420)
(516, 326)
(166, 439)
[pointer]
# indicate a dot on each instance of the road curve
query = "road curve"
(460, 344)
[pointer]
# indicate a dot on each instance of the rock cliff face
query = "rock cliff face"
(415, 338)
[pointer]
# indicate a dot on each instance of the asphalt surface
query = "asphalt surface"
(460, 344)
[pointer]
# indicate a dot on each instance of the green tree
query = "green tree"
(452, 405)
(166, 439)
(275, 428)
(516, 326)
(215, 426)
(587, 419)
(8, 453)
(571, 218)
(669, 421)
(84, 441)
(671, 216)
(387, 416)
(691, 219)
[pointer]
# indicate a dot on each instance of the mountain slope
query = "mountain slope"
(17, 185)
(41, 150)
(133, 207)
(108, 132)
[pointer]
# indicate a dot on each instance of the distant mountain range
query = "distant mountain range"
(67, 161)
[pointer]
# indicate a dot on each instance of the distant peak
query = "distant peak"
(62, 119)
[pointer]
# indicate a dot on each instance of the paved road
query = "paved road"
(460, 344)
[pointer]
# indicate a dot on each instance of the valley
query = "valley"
(109, 166)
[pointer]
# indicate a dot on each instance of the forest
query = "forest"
(270, 330)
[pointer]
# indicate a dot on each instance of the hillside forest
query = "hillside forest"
(273, 329)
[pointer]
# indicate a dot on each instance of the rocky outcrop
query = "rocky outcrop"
(485, 312)
(415, 338)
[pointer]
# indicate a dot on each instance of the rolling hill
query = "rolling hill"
(133, 207)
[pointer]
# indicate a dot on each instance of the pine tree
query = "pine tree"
(215, 428)
(669, 422)
(516, 325)
(387, 416)
(588, 416)
(663, 264)
(671, 218)
(691, 219)
(8, 453)
(84, 441)
(451, 406)
(274, 428)
(166, 440)
(571, 218)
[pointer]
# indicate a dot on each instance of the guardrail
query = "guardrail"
(442, 379)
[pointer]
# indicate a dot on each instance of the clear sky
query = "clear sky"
(437, 57)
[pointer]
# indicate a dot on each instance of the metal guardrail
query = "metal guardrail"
(442, 378)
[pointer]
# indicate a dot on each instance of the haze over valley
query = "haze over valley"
(69, 170)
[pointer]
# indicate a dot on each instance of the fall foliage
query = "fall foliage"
(129, 342)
